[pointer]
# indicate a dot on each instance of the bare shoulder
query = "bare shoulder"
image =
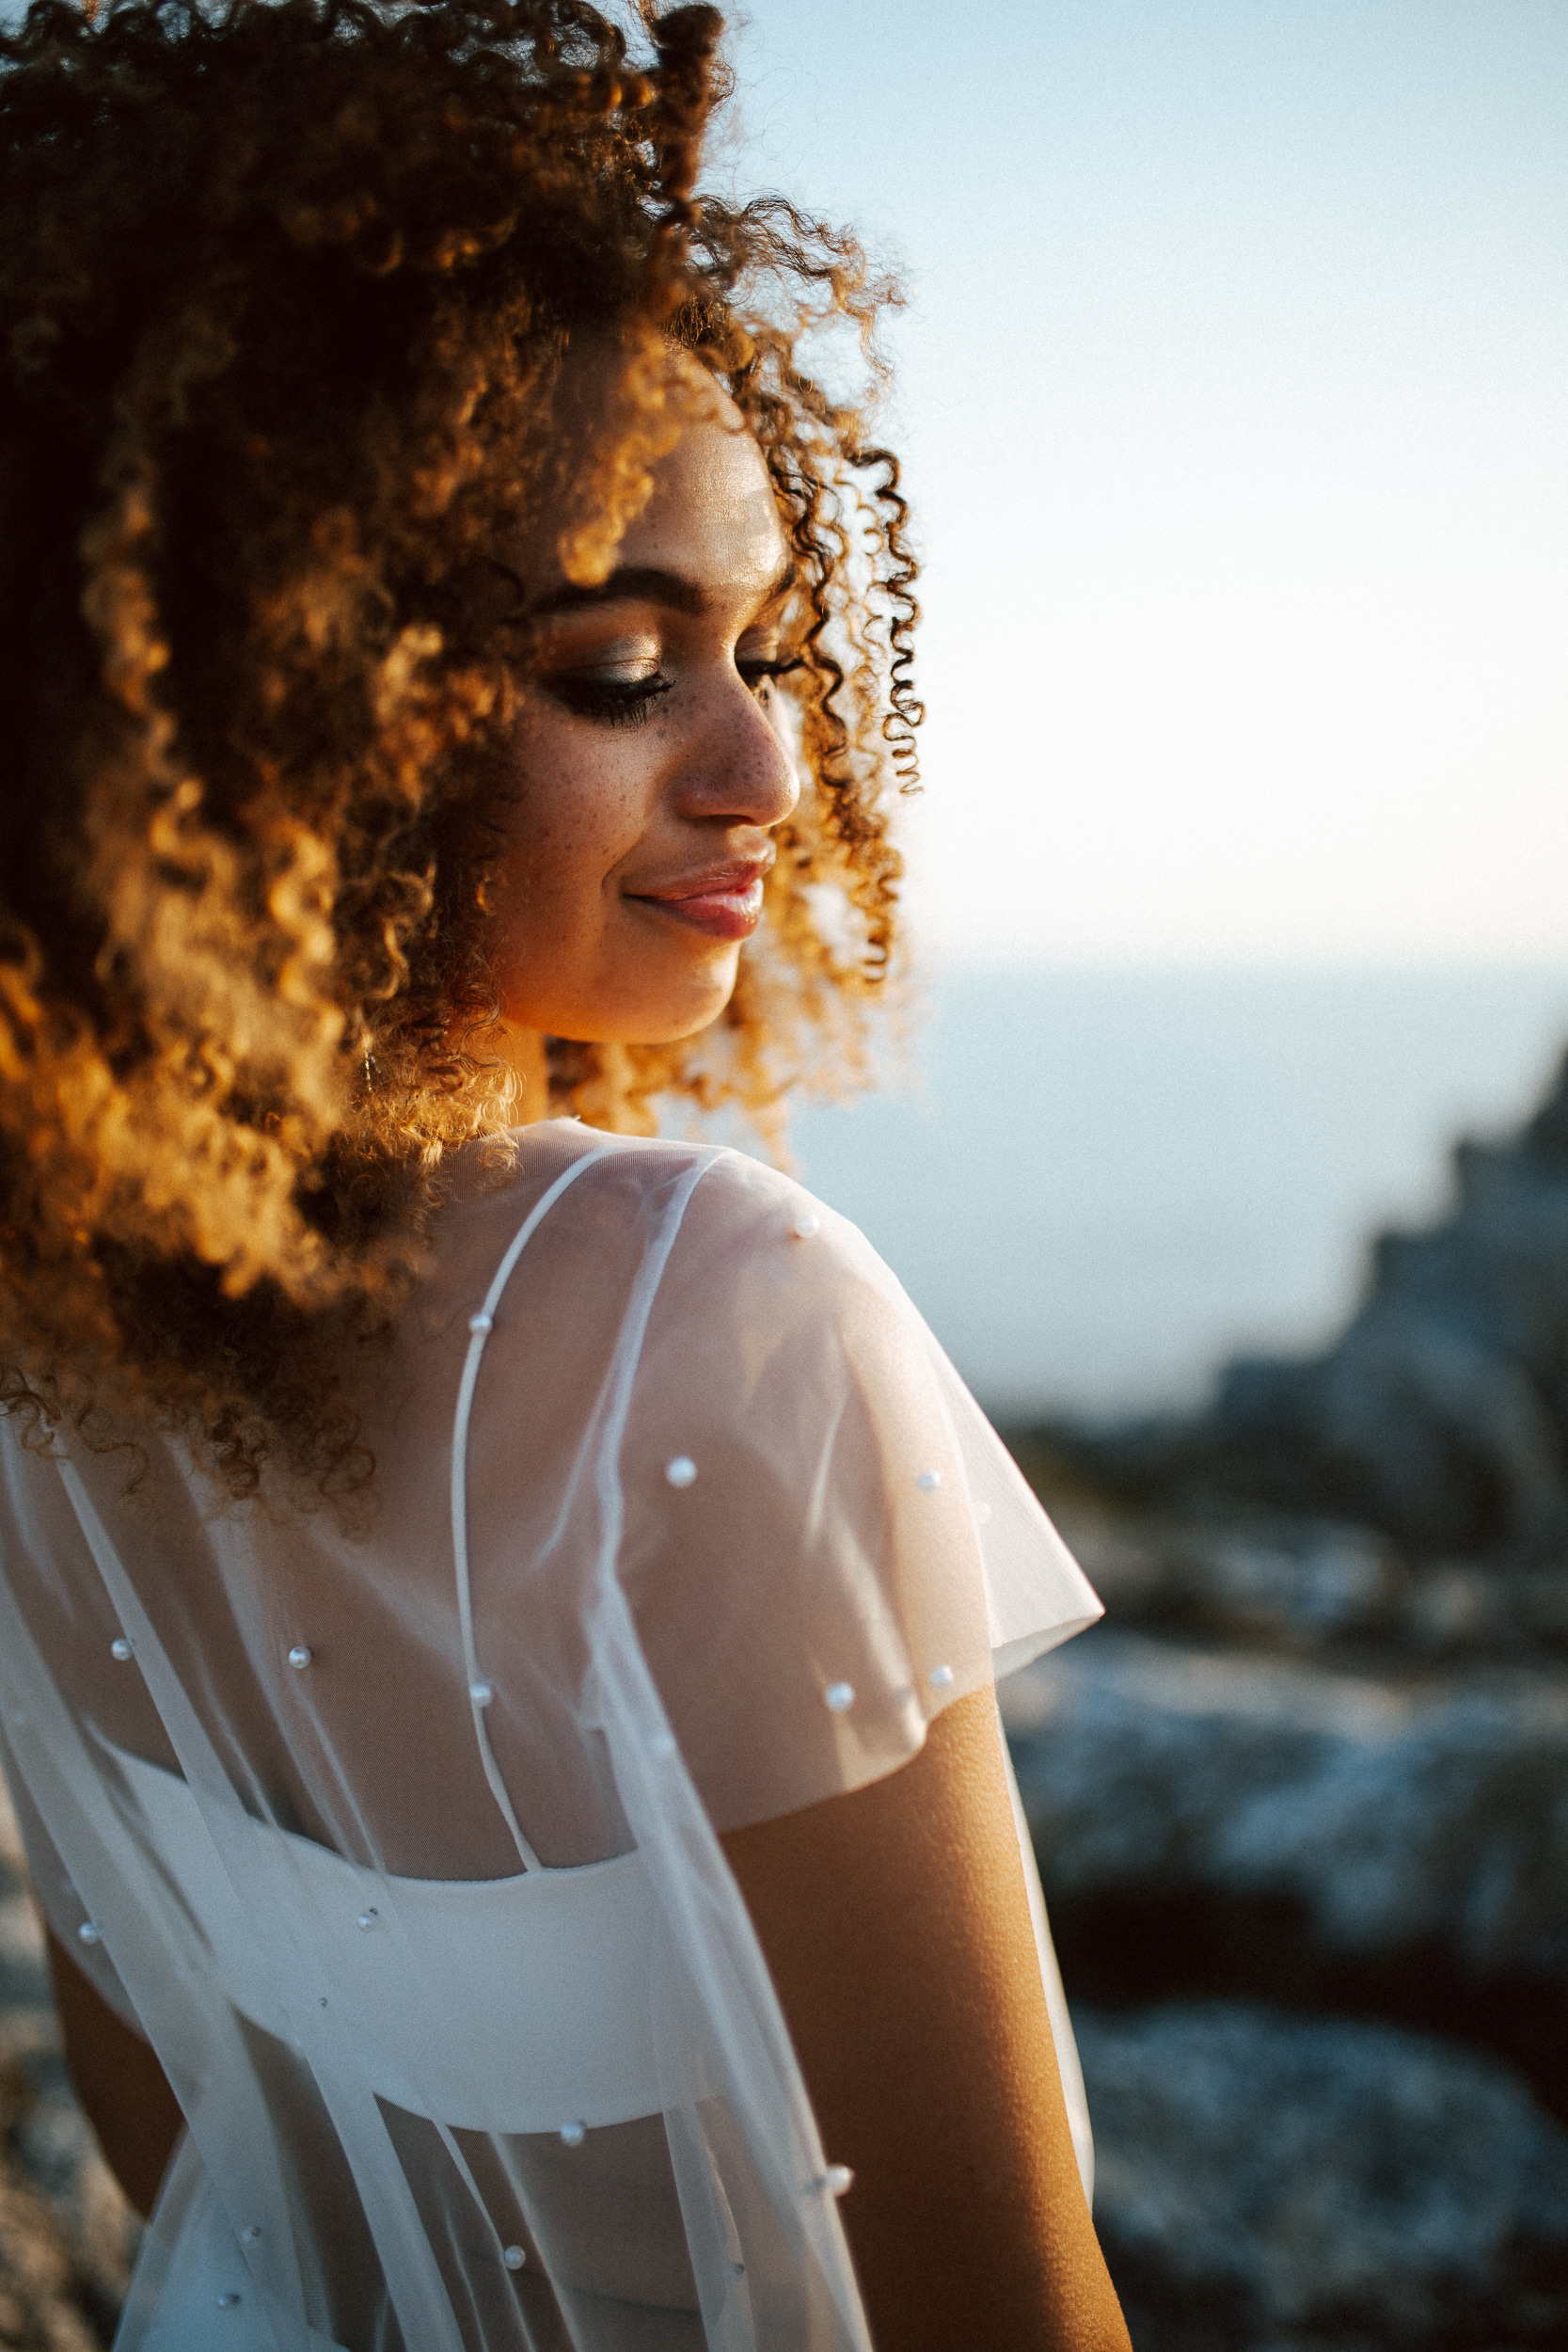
(716, 1211)
(755, 1236)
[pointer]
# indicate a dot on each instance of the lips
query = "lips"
(724, 902)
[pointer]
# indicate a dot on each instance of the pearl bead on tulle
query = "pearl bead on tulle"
(513, 2257)
(839, 1697)
(299, 1655)
(87, 1932)
(681, 1471)
(928, 1480)
(573, 2134)
(481, 1324)
(227, 2303)
(120, 1649)
(836, 2179)
(482, 1692)
(368, 1919)
(940, 1677)
(807, 1226)
(250, 2234)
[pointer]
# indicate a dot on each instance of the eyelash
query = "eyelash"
(628, 702)
(611, 702)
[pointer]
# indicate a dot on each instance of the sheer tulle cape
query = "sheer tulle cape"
(399, 1845)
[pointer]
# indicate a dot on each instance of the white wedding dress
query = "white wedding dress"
(399, 1844)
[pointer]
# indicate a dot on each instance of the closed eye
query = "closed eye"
(622, 701)
(614, 702)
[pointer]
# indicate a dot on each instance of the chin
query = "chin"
(665, 1010)
(680, 1016)
(672, 1032)
(683, 1009)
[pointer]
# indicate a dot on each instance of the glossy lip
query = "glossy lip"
(723, 902)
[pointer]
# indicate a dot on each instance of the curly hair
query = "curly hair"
(285, 290)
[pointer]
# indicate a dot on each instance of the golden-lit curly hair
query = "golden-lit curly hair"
(285, 290)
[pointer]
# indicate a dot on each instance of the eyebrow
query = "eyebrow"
(648, 584)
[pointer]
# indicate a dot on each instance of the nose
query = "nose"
(737, 771)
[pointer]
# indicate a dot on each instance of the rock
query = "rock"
(1390, 1810)
(1313, 1586)
(1275, 2184)
(1318, 1758)
(67, 2238)
(51, 2299)
(1298, 1583)
(1440, 1415)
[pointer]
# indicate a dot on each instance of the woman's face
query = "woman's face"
(648, 767)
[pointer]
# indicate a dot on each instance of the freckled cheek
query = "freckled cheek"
(574, 821)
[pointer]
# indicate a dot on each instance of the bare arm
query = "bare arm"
(897, 1926)
(119, 2082)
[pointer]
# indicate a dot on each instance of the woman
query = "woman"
(499, 1610)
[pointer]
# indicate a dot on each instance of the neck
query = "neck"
(523, 1052)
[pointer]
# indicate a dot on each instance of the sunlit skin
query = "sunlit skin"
(643, 782)
(648, 768)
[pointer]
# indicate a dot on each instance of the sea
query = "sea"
(1098, 1185)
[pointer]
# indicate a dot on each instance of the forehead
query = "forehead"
(712, 517)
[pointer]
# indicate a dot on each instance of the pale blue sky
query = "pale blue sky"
(1235, 387)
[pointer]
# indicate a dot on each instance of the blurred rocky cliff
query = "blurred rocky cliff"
(1439, 1416)
(1301, 1806)
(68, 2238)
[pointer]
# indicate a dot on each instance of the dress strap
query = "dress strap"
(480, 1326)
